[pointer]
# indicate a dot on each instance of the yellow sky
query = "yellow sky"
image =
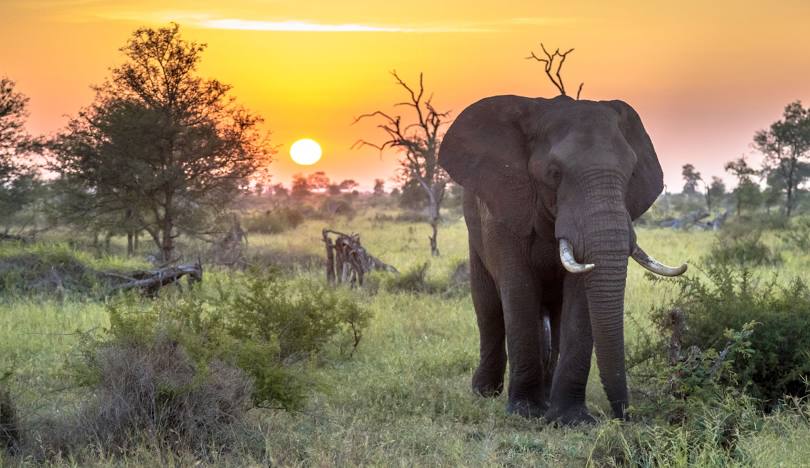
(703, 75)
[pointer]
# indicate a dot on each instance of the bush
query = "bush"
(181, 371)
(709, 438)
(742, 246)
(773, 356)
(274, 221)
(797, 236)
(260, 325)
(298, 318)
(47, 272)
(153, 392)
(334, 206)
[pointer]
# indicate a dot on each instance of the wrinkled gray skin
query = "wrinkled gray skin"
(535, 171)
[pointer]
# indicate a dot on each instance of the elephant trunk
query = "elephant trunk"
(606, 243)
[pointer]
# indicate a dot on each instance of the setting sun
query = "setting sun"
(305, 152)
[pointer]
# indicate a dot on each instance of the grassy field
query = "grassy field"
(403, 399)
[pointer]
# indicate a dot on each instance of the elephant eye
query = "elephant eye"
(554, 175)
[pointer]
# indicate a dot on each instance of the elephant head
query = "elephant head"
(587, 169)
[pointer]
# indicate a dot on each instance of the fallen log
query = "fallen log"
(149, 282)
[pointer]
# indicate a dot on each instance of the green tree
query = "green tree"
(786, 147)
(160, 146)
(691, 179)
(18, 183)
(747, 193)
(715, 192)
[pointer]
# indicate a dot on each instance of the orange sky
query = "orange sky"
(703, 75)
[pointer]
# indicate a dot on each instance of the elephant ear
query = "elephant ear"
(486, 151)
(647, 180)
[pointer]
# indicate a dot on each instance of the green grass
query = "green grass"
(404, 398)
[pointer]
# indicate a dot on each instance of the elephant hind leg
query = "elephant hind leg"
(488, 378)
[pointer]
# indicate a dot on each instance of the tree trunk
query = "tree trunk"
(434, 247)
(167, 244)
(130, 243)
(434, 221)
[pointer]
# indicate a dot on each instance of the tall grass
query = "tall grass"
(403, 399)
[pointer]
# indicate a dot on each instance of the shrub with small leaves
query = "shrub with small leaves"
(757, 331)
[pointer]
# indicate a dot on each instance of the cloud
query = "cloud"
(293, 26)
(546, 20)
(211, 20)
(208, 21)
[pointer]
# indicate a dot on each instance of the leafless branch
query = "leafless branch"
(418, 143)
(549, 66)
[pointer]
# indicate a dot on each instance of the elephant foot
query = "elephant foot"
(570, 416)
(486, 386)
(527, 409)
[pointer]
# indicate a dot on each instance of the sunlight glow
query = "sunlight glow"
(305, 152)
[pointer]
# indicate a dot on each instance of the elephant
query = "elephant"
(551, 187)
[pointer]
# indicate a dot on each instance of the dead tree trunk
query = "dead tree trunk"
(150, 282)
(330, 257)
(348, 261)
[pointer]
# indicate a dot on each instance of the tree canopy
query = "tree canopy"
(160, 148)
(786, 147)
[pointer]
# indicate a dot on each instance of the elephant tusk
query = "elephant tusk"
(568, 260)
(654, 265)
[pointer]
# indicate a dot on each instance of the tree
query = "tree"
(691, 178)
(379, 187)
(160, 147)
(17, 182)
(418, 143)
(786, 146)
(715, 191)
(300, 186)
(348, 185)
(318, 181)
(279, 190)
(747, 192)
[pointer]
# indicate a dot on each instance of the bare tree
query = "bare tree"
(552, 73)
(418, 142)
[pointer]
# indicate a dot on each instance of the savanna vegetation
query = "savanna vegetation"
(264, 362)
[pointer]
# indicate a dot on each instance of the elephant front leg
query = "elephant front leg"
(488, 378)
(521, 304)
(576, 346)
